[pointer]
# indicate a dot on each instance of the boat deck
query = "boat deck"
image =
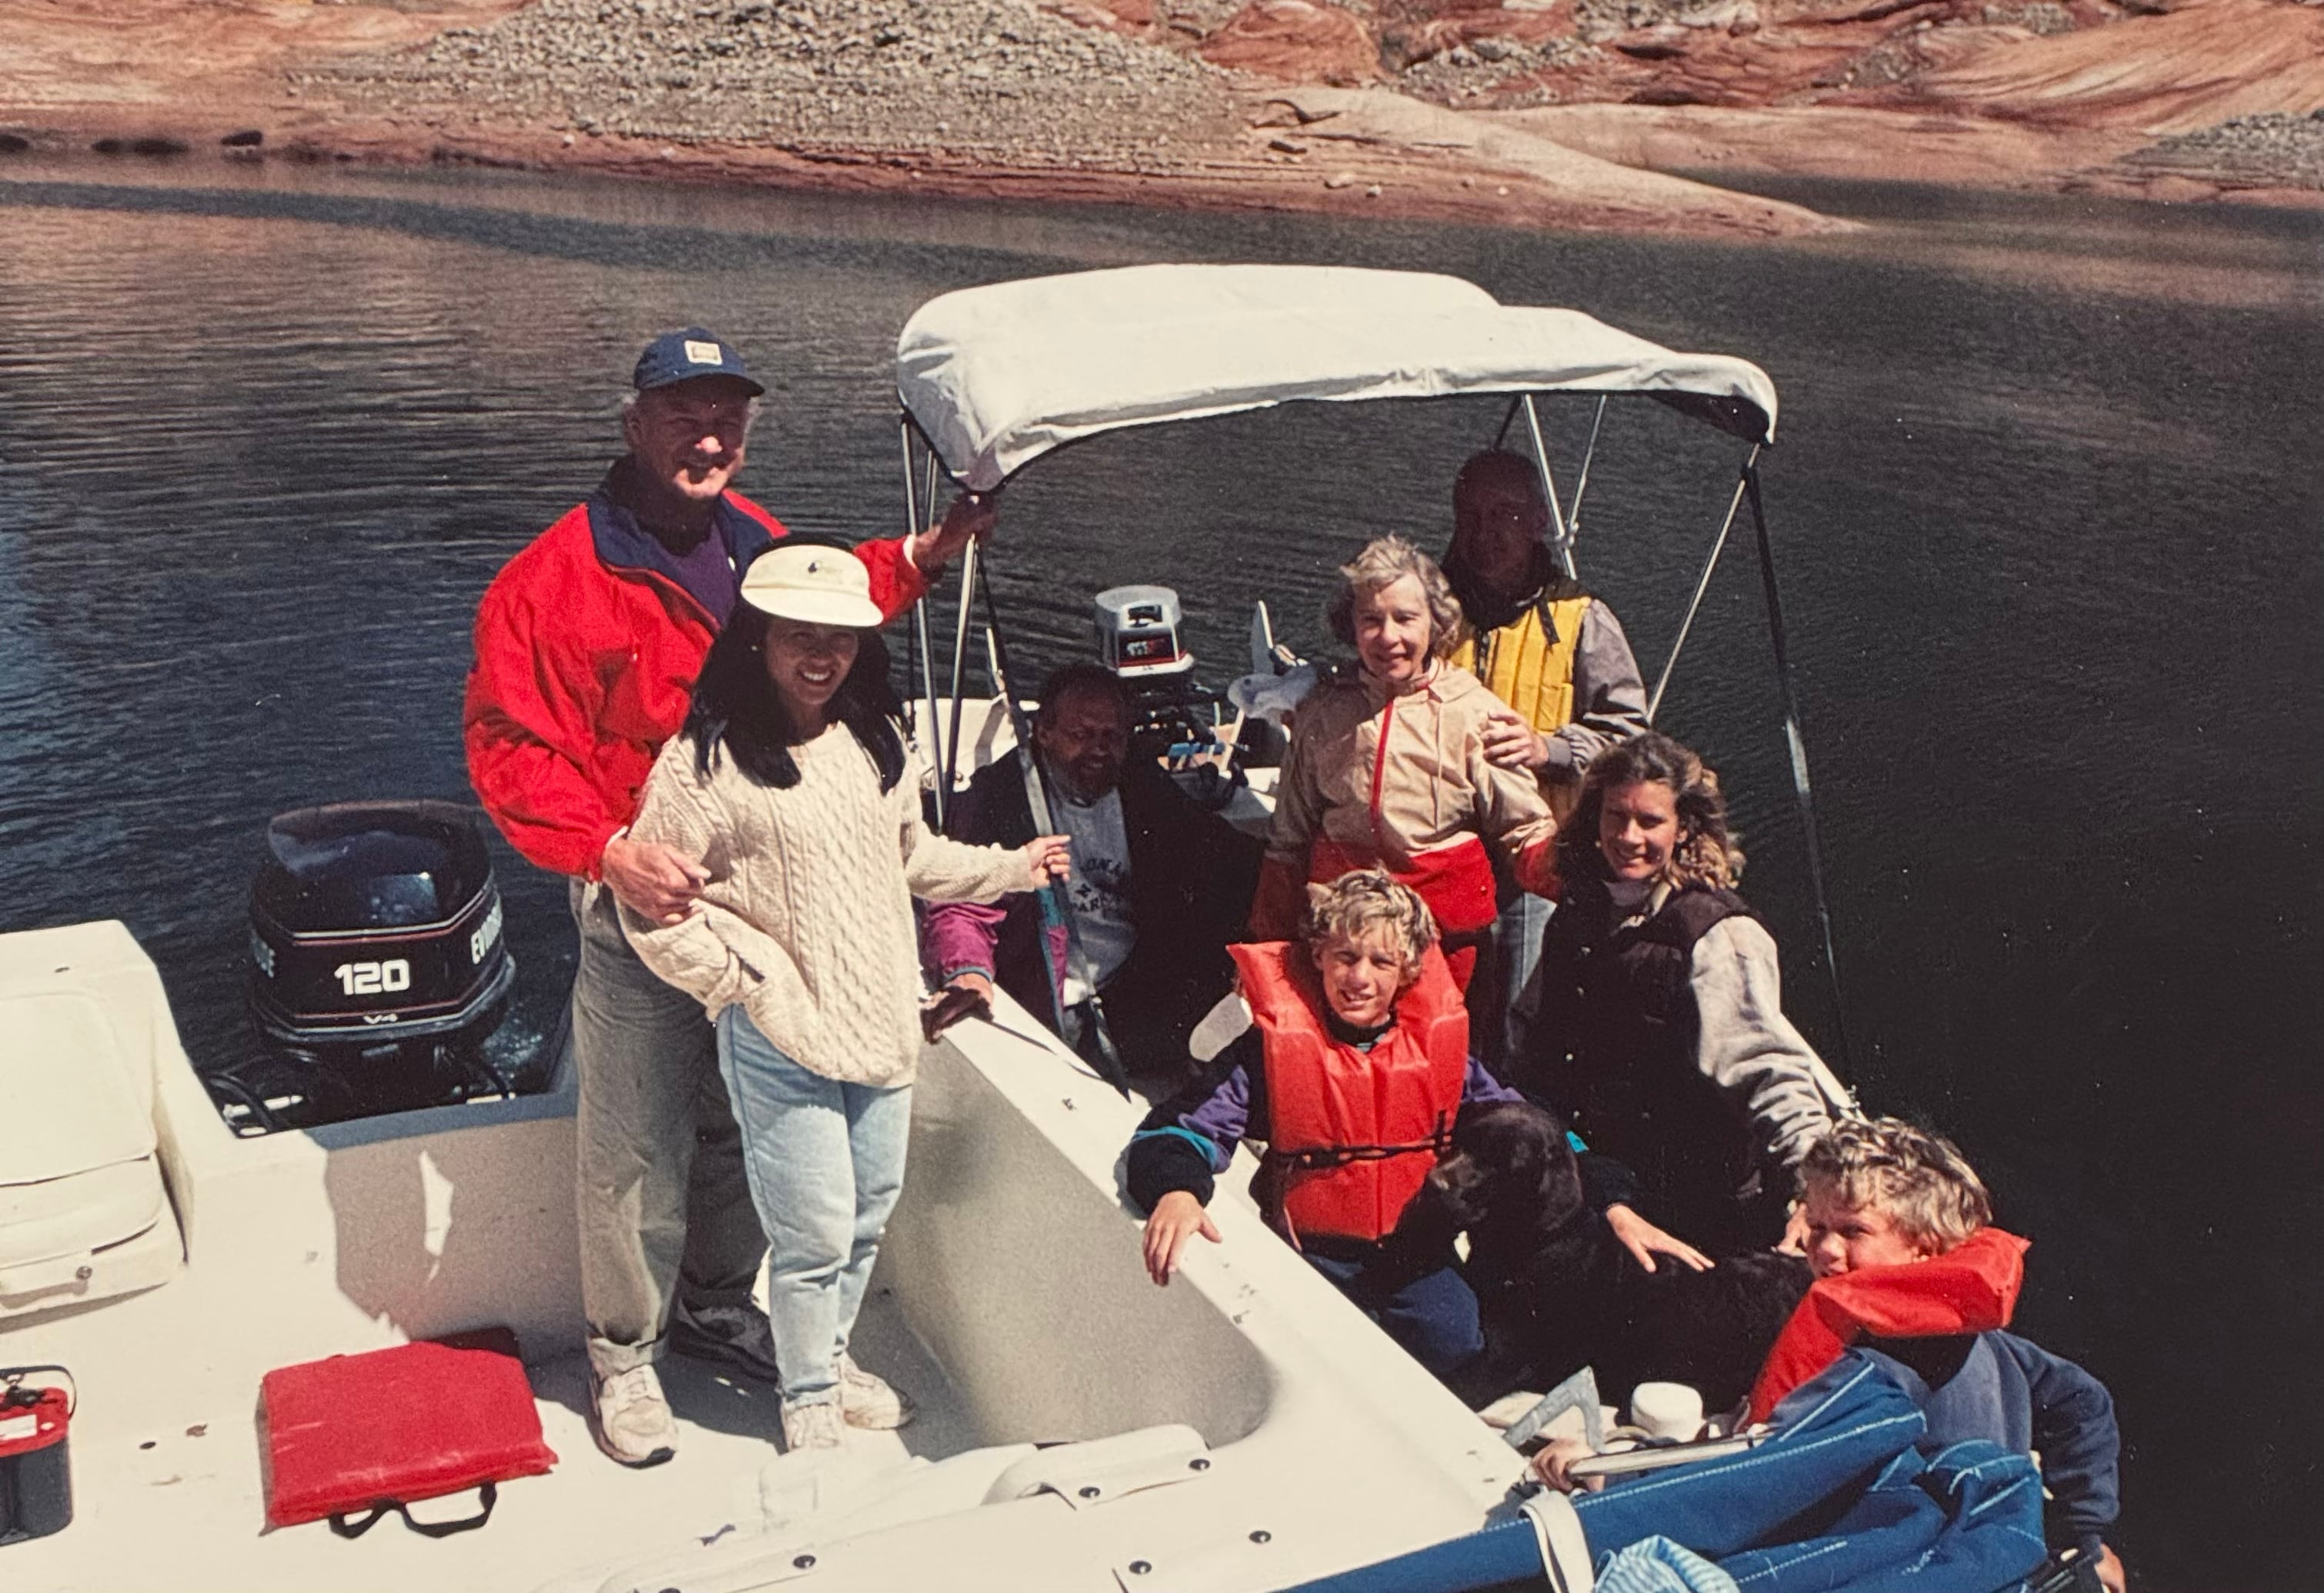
(182, 1503)
(1245, 1428)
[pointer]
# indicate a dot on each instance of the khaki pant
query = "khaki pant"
(665, 1206)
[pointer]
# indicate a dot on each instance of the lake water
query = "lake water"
(2046, 504)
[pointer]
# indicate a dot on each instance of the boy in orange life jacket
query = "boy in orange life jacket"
(1906, 1262)
(1357, 1025)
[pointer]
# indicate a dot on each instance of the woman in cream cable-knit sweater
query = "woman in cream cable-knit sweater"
(791, 784)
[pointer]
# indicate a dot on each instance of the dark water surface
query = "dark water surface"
(2047, 504)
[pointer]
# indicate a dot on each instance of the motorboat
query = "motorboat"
(1079, 1429)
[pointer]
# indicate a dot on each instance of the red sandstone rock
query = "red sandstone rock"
(1294, 41)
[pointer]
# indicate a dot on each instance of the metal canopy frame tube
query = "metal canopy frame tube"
(920, 642)
(1563, 545)
(1718, 546)
(959, 663)
(1573, 515)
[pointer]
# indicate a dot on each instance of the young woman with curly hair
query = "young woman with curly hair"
(1388, 767)
(1662, 1037)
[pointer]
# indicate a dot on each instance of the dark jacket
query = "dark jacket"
(1617, 1053)
(2000, 1386)
(1191, 877)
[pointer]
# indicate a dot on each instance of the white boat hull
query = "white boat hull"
(1010, 1300)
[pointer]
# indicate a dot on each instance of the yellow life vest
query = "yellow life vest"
(1524, 666)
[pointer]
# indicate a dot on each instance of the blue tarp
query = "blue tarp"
(1840, 1500)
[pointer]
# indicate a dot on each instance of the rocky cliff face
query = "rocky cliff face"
(1549, 113)
(2075, 85)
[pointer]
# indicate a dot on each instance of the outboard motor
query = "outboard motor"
(1138, 632)
(378, 966)
(1173, 718)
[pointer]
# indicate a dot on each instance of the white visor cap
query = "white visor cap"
(814, 585)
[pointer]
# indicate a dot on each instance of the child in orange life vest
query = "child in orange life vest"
(1348, 1052)
(1907, 1263)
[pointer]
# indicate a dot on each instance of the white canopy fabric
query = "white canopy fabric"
(997, 376)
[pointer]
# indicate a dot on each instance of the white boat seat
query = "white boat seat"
(84, 1213)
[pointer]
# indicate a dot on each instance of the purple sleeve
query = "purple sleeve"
(1186, 1149)
(960, 935)
(1224, 1117)
(1481, 1086)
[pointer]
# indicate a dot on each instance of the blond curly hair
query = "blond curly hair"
(1920, 1179)
(1361, 901)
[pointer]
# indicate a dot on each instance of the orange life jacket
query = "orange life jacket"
(1354, 1133)
(1969, 1289)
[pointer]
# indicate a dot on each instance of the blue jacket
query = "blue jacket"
(2000, 1386)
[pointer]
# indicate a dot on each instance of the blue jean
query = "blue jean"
(1433, 1316)
(825, 1161)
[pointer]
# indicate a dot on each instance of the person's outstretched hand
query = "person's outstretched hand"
(1048, 859)
(1645, 1241)
(973, 516)
(1177, 1217)
(1550, 1463)
(1512, 743)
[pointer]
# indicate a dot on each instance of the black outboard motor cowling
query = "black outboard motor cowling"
(376, 946)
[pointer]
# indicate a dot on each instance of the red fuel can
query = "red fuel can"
(35, 1473)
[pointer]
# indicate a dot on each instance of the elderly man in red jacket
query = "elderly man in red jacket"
(587, 646)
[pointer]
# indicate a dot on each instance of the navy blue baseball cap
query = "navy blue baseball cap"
(681, 356)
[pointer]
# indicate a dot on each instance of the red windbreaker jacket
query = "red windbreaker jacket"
(587, 647)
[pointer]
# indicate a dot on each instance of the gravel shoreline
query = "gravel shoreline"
(996, 80)
(2273, 150)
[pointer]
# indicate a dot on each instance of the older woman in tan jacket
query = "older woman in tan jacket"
(791, 785)
(1387, 765)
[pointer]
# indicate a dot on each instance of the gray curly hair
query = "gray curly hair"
(1384, 561)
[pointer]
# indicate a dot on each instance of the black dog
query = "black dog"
(1558, 1292)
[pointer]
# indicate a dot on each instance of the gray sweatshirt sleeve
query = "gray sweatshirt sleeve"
(1610, 698)
(1749, 1049)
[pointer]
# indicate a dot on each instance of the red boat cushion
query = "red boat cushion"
(413, 1422)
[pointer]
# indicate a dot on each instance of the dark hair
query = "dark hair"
(1497, 463)
(1070, 679)
(735, 706)
(1707, 853)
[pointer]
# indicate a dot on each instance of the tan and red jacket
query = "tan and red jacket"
(1402, 783)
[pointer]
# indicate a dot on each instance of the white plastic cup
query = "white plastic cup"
(1667, 1411)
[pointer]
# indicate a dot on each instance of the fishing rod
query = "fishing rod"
(1797, 741)
(1094, 1036)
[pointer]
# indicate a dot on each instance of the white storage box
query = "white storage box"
(84, 1213)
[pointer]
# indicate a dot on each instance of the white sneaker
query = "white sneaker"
(870, 1401)
(633, 1423)
(819, 1426)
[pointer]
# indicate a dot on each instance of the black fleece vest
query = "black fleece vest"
(1616, 1055)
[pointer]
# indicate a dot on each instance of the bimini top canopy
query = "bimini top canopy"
(995, 377)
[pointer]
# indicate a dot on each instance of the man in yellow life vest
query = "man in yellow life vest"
(1556, 657)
